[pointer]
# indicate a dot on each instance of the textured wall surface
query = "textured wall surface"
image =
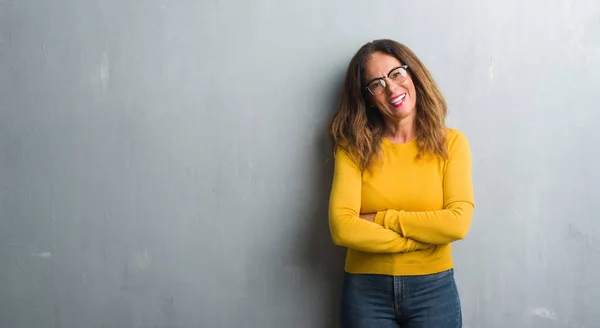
(165, 164)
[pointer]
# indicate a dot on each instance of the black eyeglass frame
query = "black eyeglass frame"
(382, 79)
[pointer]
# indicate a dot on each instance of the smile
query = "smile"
(397, 101)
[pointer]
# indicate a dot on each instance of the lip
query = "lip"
(396, 97)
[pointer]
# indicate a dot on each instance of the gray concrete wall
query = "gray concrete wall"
(164, 163)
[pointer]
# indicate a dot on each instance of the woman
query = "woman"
(401, 193)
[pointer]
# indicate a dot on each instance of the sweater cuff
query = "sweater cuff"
(392, 220)
(379, 216)
(401, 227)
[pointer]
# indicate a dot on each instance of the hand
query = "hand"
(368, 216)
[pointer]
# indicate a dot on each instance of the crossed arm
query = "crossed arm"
(347, 228)
(453, 221)
(396, 230)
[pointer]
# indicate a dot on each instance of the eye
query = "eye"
(396, 75)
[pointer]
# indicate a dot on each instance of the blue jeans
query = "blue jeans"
(379, 301)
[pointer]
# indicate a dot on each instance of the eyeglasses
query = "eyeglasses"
(397, 75)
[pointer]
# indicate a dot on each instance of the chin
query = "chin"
(402, 113)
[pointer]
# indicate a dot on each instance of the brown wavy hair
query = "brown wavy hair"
(360, 131)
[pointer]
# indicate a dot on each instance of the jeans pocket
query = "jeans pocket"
(429, 278)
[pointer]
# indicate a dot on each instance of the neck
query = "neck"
(401, 131)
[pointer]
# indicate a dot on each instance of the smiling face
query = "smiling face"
(396, 97)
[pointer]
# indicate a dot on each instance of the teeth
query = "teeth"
(399, 99)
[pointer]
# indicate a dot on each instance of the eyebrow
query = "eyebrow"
(381, 77)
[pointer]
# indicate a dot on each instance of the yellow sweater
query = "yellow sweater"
(418, 203)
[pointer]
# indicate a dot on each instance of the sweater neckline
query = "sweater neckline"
(387, 142)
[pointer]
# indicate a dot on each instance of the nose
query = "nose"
(390, 86)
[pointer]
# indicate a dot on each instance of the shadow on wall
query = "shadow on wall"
(304, 289)
(325, 260)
